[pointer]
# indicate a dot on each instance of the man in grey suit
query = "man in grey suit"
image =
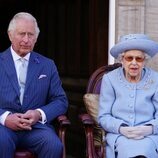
(26, 111)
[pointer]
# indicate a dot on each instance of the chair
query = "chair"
(62, 124)
(94, 134)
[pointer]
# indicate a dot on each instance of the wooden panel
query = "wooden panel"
(98, 34)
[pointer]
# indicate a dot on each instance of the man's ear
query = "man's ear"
(10, 35)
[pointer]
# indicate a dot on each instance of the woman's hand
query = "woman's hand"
(137, 132)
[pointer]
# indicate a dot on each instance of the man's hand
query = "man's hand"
(33, 116)
(24, 121)
(16, 122)
(137, 132)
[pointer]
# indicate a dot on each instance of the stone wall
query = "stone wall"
(138, 16)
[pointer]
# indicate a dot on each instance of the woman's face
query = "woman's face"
(133, 63)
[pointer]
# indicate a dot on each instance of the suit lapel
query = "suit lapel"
(9, 67)
(33, 69)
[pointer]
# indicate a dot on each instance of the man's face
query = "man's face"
(23, 37)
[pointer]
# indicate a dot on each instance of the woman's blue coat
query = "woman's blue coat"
(133, 104)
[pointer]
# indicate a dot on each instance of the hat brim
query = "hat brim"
(147, 46)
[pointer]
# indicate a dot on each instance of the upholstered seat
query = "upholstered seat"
(62, 123)
(94, 133)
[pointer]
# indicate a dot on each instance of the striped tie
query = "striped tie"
(22, 77)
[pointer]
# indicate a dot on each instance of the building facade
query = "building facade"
(137, 16)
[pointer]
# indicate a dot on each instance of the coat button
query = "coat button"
(131, 117)
(130, 105)
(131, 95)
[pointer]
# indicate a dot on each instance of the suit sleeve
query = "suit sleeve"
(57, 103)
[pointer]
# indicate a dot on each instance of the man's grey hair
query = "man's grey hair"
(23, 15)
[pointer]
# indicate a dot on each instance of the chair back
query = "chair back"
(94, 82)
(91, 101)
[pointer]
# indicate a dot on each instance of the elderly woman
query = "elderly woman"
(128, 104)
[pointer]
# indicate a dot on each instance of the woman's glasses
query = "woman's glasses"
(137, 58)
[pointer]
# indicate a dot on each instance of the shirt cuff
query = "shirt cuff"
(43, 115)
(3, 117)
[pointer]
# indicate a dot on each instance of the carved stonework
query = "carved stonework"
(138, 16)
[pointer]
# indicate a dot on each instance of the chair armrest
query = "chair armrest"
(63, 120)
(63, 123)
(86, 119)
(88, 124)
(92, 151)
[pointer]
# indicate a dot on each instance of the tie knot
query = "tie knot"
(23, 61)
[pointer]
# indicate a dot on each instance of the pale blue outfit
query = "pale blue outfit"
(133, 104)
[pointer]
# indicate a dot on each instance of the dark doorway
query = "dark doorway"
(74, 33)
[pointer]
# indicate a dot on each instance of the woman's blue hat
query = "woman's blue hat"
(135, 41)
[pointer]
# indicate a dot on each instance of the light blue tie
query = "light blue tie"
(22, 77)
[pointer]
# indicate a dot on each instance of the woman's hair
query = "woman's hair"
(23, 15)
